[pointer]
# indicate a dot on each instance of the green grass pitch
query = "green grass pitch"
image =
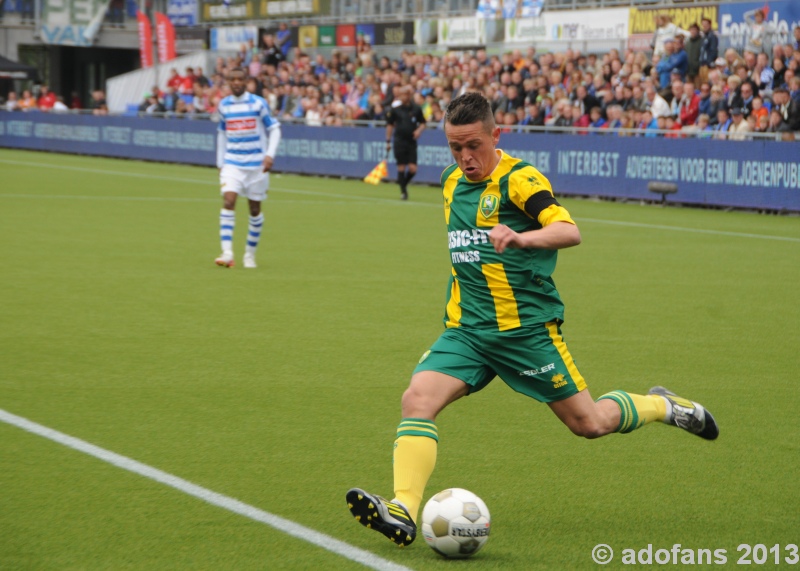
(280, 387)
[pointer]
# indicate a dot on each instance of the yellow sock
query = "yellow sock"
(649, 407)
(414, 460)
(637, 410)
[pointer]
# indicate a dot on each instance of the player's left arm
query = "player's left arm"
(273, 129)
(222, 142)
(531, 192)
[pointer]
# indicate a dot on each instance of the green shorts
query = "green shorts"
(531, 360)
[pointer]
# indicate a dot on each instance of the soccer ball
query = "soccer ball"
(455, 523)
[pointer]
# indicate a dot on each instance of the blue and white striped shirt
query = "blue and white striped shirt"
(244, 125)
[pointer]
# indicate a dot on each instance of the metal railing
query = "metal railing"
(535, 130)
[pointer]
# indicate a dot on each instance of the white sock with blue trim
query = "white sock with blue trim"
(227, 220)
(254, 233)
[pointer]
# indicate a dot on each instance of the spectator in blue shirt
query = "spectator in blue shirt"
(709, 49)
(763, 74)
(283, 38)
(597, 121)
(680, 60)
(663, 67)
(723, 124)
(649, 123)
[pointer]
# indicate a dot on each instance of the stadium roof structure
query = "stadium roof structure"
(14, 70)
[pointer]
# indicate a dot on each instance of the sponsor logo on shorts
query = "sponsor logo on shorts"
(559, 381)
(424, 355)
(534, 372)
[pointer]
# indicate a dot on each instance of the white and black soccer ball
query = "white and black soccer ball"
(456, 523)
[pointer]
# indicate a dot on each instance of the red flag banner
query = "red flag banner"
(145, 39)
(165, 35)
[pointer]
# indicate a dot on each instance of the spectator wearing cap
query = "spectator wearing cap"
(739, 126)
(693, 46)
(709, 50)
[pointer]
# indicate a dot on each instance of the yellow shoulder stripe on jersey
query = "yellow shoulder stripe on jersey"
(524, 183)
(448, 189)
(554, 213)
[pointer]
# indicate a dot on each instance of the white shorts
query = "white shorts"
(249, 183)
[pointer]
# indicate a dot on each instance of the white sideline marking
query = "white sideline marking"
(362, 198)
(696, 230)
(286, 526)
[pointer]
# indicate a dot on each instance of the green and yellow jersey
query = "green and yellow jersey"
(504, 291)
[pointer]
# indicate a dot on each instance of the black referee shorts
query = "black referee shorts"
(405, 152)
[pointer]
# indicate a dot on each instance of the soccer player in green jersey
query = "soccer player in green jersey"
(502, 318)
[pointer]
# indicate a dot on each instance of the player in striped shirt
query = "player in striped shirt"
(502, 318)
(246, 145)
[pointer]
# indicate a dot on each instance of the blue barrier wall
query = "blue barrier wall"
(749, 174)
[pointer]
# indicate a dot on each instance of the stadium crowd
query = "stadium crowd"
(686, 85)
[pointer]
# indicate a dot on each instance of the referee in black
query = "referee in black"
(406, 122)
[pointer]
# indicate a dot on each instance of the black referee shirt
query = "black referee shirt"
(405, 119)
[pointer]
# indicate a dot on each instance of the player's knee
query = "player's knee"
(416, 404)
(587, 428)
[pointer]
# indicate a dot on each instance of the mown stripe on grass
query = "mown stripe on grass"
(377, 200)
(281, 524)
